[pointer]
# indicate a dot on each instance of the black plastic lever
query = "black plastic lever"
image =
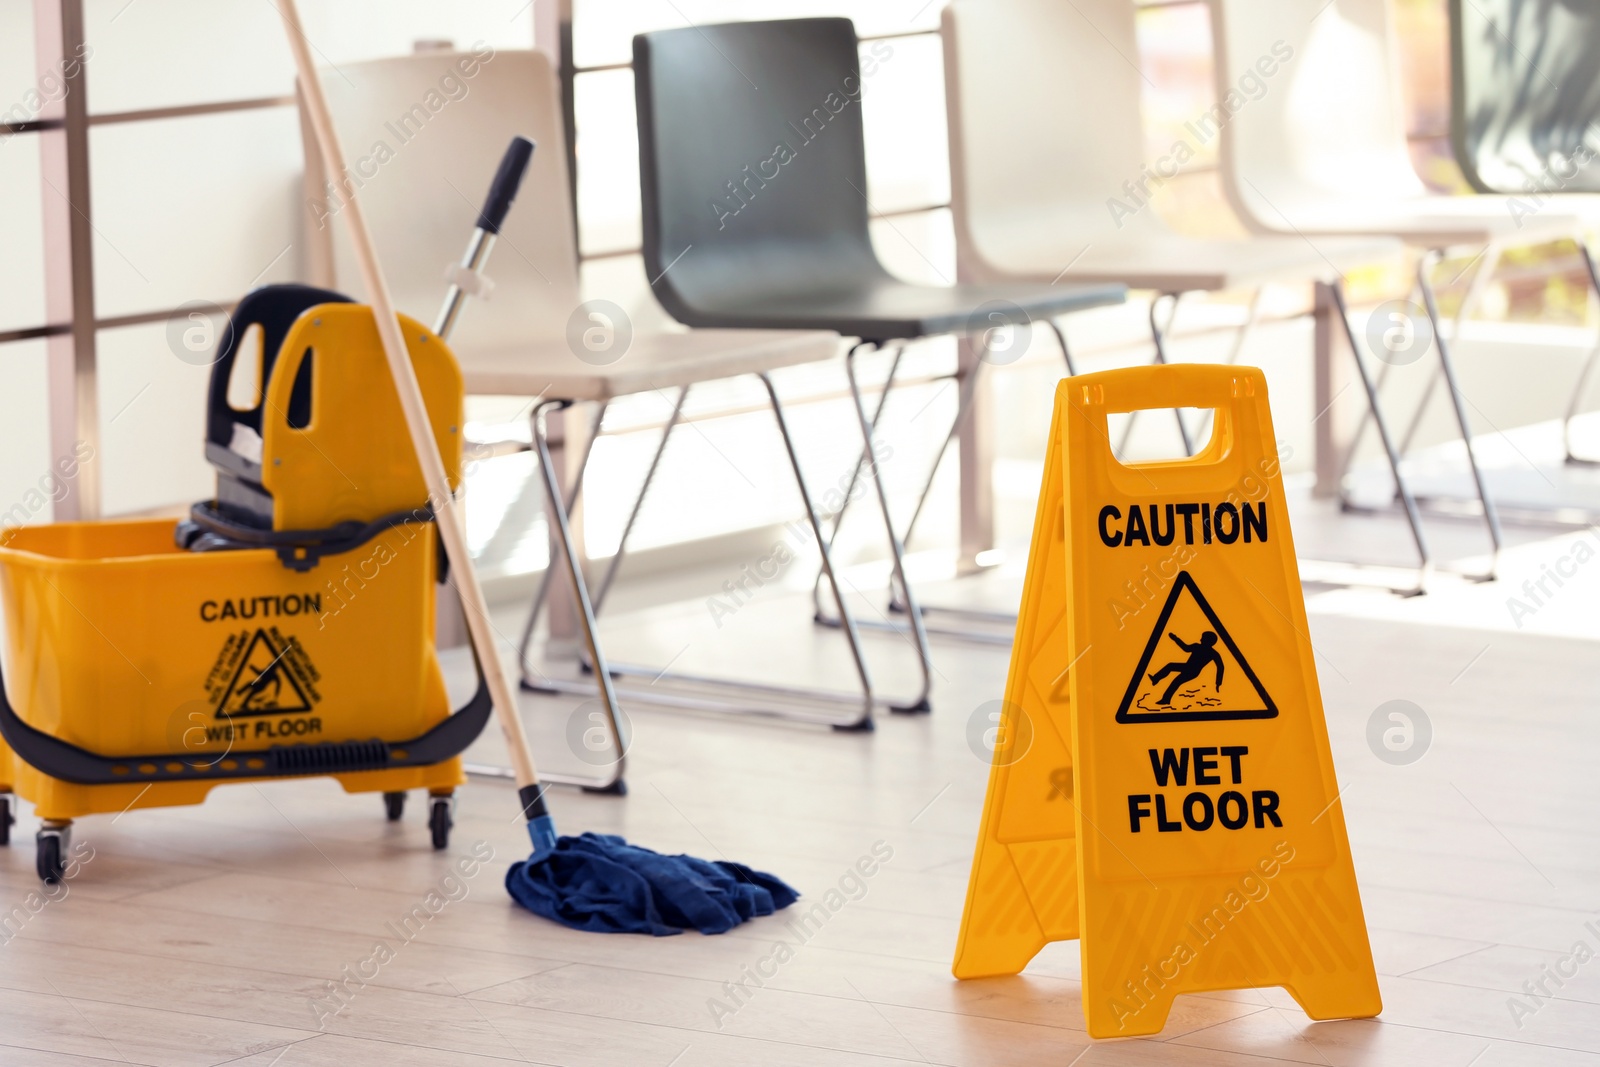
(503, 190)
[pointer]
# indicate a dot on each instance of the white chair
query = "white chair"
(1323, 153)
(1518, 126)
(425, 134)
(1049, 178)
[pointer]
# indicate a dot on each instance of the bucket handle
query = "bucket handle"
(66, 761)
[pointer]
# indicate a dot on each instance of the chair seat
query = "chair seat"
(1434, 221)
(886, 308)
(661, 360)
(1176, 263)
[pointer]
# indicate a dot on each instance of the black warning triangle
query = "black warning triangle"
(263, 684)
(1194, 683)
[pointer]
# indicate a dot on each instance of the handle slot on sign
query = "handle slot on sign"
(1194, 734)
(1174, 387)
(1177, 439)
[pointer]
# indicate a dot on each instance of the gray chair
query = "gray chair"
(753, 172)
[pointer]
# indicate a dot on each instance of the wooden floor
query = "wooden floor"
(211, 935)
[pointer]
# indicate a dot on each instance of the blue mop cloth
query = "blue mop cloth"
(600, 883)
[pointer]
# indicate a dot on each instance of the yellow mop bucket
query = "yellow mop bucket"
(286, 629)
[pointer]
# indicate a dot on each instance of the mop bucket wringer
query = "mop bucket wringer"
(285, 629)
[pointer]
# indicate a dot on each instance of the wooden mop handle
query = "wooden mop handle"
(416, 412)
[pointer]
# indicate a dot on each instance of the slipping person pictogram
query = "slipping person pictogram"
(264, 681)
(1190, 688)
(262, 693)
(1202, 654)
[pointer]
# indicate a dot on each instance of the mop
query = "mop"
(595, 882)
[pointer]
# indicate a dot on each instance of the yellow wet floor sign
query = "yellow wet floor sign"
(1162, 788)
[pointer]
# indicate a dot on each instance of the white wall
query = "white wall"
(185, 209)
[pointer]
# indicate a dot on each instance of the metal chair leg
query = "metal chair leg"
(969, 389)
(1583, 375)
(1480, 280)
(604, 670)
(573, 492)
(1005, 619)
(848, 621)
(1361, 430)
(1481, 277)
(1491, 516)
(613, 783)
(1158, 334)
(861, 460)
(741, 692)
(569, 551)
(1251, 316)
(1425, 564)
(897, 602)
(1445, 371)
(896, 550)
(540, 596)
(1066, 349)
(855, 479)
(638, 503)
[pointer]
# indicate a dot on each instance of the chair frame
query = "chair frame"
(860, 719)
(1433, 249)
(1467, 160)
(976, 201)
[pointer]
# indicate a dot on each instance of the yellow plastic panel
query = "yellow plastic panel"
(1029, 797)
(354, 461)
(120, 643)
(1210, 844)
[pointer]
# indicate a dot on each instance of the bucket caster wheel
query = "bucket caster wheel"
(394, 806)
(52, 844)
(8, 817)
(441, 817)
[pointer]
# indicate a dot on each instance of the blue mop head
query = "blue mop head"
(600, 883)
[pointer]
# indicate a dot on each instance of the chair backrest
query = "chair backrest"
(1327, 122)
(1525, 95)
(752, 162)
(422, 137)
(1045, 119)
